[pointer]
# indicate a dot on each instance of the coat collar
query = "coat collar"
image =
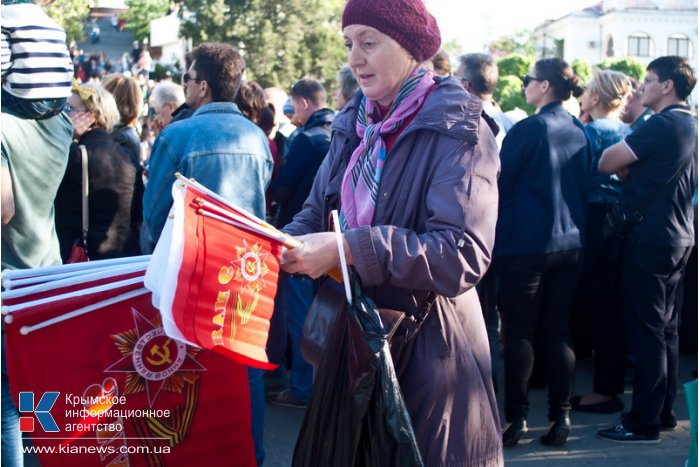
(218, 107)
(319, 118)
(448, 109)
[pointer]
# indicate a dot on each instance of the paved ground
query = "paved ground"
(583, 449)
(113, 43)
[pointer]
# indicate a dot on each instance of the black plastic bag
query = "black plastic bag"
(357, 415)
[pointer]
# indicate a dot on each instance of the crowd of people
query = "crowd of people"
(521, 236)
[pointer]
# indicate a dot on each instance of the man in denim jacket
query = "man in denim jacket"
(217, 146)
(222, 150)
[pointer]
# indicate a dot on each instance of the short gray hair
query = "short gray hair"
(167, 91)
(347, 81)
(481, 71)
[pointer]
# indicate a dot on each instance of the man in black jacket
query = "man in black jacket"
(290, 190)
(307, 150)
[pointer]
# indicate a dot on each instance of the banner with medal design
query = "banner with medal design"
(122, 392)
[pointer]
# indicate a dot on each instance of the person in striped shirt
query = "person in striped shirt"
(36, 66)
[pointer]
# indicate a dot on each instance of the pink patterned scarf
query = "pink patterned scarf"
(358, 195)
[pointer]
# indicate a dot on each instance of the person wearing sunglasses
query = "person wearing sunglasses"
(545, 163)
(221, 149)
(658, 161)
(114, 180)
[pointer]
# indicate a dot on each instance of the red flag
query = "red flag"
(226, 282)
(157, 401)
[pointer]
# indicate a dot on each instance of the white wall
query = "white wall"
(165, 32)
(586, 37)
(659, 25)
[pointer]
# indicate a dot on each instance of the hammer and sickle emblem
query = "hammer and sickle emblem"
(250, 266)
(164, 354)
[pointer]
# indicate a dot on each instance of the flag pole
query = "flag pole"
(24, 330)
(88, 276)
(341, 252)
(8, 309)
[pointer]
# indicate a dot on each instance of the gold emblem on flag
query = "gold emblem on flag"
(249, 268)
(152, 361)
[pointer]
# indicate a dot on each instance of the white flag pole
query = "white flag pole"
(341, 252)
(8, 309)
(63, 268)
(90, 276)
(24, 330)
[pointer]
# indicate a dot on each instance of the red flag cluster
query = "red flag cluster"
(98, 382)
(214, 275)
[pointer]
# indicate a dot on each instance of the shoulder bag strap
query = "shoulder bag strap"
(638, 214)
(85, 192)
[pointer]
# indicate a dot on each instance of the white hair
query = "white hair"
(167, 91)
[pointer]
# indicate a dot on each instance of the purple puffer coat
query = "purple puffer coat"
(433, 230)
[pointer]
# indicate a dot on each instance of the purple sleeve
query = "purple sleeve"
(455, 250)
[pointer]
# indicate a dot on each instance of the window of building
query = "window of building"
(679, 44)
(639, 45)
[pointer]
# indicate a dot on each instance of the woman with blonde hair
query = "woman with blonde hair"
(604, 100)
(114, 200)
(129, 98)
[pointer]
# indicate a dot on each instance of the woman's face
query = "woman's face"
(534, 91)
(82, 118)
(75, 103)
(589, 99)
(378, 62)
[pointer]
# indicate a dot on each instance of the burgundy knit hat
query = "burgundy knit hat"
(408, 22)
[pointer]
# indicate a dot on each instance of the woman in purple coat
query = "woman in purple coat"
(412, 167)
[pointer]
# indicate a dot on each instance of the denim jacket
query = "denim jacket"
(603, 133)
(219, 148)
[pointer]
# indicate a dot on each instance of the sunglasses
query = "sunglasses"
(527, 79)
(70, 110)
(186, 78)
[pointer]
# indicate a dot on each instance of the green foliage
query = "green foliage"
(70, 15)
(509, 94)
(515, 64)
(453, 48)
(141, 13)
(509, 90)
(522, 42)
(281, 41)
(160, 71)
(628, 66)
(583, 70)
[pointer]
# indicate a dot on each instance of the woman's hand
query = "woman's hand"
(82, 121)
(317, 255)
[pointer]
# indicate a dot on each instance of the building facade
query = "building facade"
(642, 29)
